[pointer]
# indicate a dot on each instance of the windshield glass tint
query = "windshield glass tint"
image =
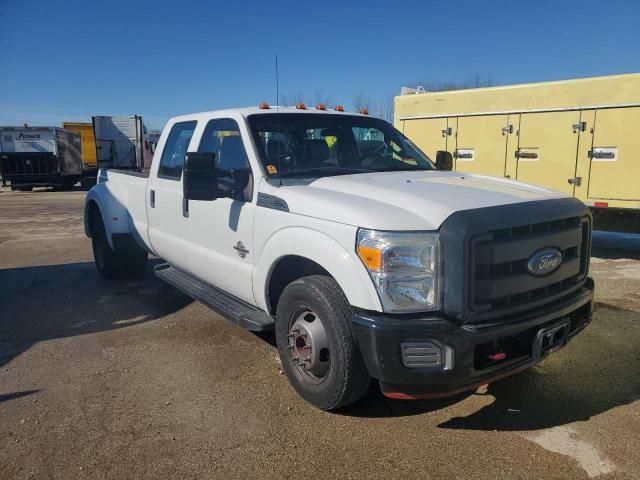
(324, 144)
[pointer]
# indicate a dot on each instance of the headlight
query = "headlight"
(405, 268)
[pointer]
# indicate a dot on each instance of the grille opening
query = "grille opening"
(529, 238)
(519, 346)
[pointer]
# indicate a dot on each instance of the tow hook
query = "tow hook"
(497, 356)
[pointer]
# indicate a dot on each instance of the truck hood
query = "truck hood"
(419, 200)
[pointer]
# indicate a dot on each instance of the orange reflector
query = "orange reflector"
(364, 111)
(264, 106)
(339, 108)
(601, 204)
(301, 106)
(371, 257)
(320, 106)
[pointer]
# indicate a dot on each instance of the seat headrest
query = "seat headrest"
(315, 153)
(275, 148)
(232, 154)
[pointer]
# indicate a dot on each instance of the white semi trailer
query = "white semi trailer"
(40, 156)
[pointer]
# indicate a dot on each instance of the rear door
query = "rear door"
(615, 155)
(168, 223)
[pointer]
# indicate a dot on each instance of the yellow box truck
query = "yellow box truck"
(89, 158)
(578, 136)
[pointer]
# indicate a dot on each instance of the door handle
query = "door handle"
(602, 153)
(152, 198)
(185, 207)
(520, 154)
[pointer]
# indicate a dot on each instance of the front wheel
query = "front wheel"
(318, 351)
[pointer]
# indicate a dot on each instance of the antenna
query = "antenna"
(278, 120)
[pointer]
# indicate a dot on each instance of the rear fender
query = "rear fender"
(114, 215)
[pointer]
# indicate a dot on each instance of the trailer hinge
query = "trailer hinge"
(446, 132)
(507, 129)
(577, 181)
(579, 127)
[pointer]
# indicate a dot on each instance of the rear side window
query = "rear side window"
(222, 137)
(175, 149)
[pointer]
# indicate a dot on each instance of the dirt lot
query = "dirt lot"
(132, 379)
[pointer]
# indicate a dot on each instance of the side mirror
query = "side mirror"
(200, 180)
(444, 160)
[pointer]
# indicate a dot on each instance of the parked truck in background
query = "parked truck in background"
(368, 260)
(40, 156)
(120, 142)
(575, 136)
(89, 159)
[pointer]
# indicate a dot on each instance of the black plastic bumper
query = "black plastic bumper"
(475, 350)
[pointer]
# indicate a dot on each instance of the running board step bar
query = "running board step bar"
(245, 315)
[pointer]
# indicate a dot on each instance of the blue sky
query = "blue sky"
(72, 59)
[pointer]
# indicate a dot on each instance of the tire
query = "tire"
(305, 351)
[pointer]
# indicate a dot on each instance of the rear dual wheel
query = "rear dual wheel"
(112, 263)
(317, 348)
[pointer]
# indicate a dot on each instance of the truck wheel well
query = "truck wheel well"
(92, 210)
(287, 270)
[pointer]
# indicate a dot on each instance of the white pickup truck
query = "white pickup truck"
(367, 259)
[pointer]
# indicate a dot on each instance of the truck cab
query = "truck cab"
(367, 259)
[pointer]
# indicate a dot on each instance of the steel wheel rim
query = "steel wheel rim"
(308, 345)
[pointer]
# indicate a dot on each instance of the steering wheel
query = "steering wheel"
(373, 160)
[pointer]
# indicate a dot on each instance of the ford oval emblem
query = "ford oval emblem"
(544, 262)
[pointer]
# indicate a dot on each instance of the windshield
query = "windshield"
(292, 144)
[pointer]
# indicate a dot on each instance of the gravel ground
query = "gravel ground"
(132, 379)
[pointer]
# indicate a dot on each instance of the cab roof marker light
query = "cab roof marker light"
(321, 106)
(301, 106)
(264, 106)
(339, 108)
(364, 111)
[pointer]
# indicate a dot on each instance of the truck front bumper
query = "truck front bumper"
(434, 356)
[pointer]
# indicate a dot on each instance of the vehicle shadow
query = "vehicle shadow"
(56, 301)
(598, 371)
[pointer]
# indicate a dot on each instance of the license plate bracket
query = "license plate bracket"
(551, 339)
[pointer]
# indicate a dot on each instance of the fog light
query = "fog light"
(426, 354)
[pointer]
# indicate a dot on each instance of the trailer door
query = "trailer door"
(429, 134)
(615, 155)
(547, 149)
(481, 144)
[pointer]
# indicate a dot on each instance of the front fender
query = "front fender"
(344, 266)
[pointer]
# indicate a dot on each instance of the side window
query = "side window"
(175, 149)
(222, 137)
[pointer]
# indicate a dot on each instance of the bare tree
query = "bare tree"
(290, 100)
(319, 96)
(361, 101)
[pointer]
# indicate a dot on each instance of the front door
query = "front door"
(221, 249)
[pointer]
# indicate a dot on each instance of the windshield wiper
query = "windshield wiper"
(321, 170)
(408, 168)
